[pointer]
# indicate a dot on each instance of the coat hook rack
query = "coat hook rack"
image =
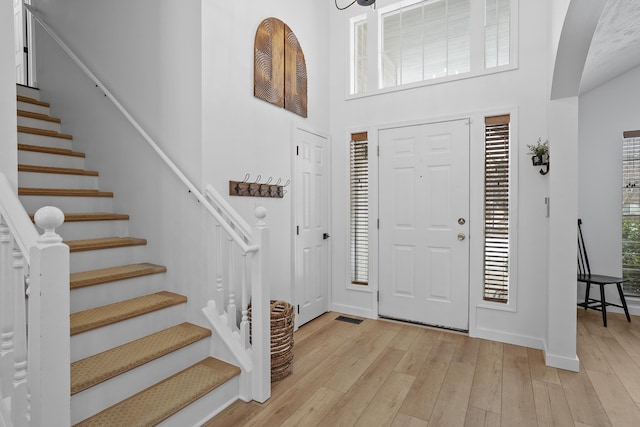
(258, 189)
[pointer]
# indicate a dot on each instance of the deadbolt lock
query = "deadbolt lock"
(461, 221)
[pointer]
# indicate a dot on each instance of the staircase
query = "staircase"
(135, 360)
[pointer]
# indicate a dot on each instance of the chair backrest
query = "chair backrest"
(583, 260)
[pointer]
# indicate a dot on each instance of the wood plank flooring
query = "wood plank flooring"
(382, 373)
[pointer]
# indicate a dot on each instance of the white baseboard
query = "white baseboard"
(507, 338)
(562, 362)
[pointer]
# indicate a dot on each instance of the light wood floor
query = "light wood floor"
(382, 373)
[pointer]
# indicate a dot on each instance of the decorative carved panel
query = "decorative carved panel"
(280, 70)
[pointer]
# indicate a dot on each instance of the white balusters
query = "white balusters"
(6, 312)
(244, 303)
(19, 401)
(242, 278)
(231, 305)
(219, 293)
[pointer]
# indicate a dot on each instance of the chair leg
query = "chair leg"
(624, 301)
(586, 294)
(604, 306)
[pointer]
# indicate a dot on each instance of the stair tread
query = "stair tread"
(38, 116)
(111, 274)
(57, 170)
(100, 367)
(93, 216)
(29, 100)
(103, 243)
(160, 401)
(93, 318)
(50, 150)
(43, 132)
(77, 192)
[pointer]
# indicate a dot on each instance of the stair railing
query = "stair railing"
(251, 242)
(34, 315)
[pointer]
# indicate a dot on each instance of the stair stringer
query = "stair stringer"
(226, 339)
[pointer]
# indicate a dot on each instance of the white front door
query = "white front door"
(312, 230)
(424, 222)
(19, 36)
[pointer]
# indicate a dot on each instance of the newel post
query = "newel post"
(260, 316)
(49, 340)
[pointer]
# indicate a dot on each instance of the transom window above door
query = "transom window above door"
(420, 42)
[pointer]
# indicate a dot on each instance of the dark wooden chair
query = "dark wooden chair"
(585, 275)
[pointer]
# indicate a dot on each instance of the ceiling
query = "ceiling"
(615, 47)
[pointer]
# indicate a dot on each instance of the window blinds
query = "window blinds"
(359, 209)
(496, 209)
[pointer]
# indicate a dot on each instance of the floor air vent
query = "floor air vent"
(349, 320)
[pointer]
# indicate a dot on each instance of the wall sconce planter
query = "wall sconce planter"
(540, 155)
(541, 160)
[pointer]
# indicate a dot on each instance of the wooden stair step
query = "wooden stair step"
(49, 150)
(38, 116)
(103, 243)
(160, 401)
(112, 274)
(100, 367)
(91, 216)
(29, 100)
(43, 132)
(75, 192)
(51, 169)
(93, 318)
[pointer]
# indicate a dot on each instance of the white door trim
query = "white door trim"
(295, 196)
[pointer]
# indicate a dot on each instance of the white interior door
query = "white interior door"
(312, 208)
(19, 37)
(424, 212)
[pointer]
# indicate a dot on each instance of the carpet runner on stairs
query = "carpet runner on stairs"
(47, 150)
(156, 403)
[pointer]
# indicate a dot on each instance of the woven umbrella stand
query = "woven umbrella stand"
(282, 321)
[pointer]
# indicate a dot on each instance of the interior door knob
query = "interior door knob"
(461, 236)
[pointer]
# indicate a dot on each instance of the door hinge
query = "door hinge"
(25, 49)
(378, 151)
(297, 150)
(297, 230)
(378, 225)
(378, 296)
(298, 308)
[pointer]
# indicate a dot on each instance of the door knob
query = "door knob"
(461, 236)
(325, 236)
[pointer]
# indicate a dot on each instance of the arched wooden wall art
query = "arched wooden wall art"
(280, 70)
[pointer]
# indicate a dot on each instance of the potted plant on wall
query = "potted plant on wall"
(540, 154)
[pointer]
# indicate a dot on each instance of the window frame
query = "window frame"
(628, 135)
(477, 54)
(478, 261)
(359, 138)
(353, 78)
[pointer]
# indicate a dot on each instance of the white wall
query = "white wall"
(242, 134)
(522, 92)
(148, 54)
(605, 113)
(185, 71)
(8, 139)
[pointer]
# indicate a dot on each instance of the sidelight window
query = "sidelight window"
(359, 209)
(496, 209)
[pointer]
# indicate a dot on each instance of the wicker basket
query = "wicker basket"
(282, 320)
